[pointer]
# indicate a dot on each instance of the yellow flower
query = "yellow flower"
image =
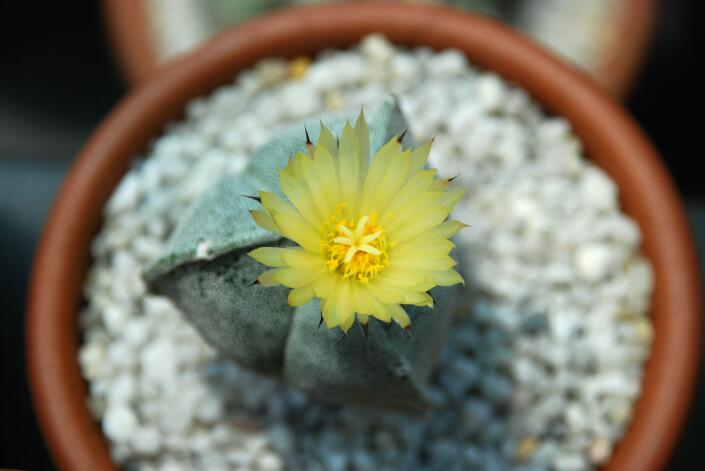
(371, 235)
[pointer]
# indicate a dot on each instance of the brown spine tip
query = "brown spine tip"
(401, 136)
(253, 198)
(256, 282)
(308, 138)
(453, 178)
(320, 321)
(408, 331)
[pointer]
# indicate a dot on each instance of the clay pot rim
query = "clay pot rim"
(610, 137)
(133, 43)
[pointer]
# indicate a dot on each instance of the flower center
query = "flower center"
(357, 251)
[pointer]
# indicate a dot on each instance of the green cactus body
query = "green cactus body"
(206, 272)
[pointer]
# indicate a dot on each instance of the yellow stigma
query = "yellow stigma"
(357, 250)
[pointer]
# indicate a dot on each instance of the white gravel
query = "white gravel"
(543, 367)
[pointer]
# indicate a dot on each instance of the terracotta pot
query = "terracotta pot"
(610, 137)
(133, 42)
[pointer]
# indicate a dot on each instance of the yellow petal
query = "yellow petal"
(415, 227)
(270, 256)
(430, 264)
(304, 260)
(344, 303)
(363, 319)
(400, 316)
(300, 296)
(409, 296)
(327, 173)
(376, 173)
(325, 285)
(327, 140)
(265, 221)
(403, 278)
(381, 311)
(290, 222)
(451, 227)
(393, 180)
(413, 249)
(350, 167)
(361, 299)
(448, 278)
(329, 313)
(266, 279)
(383, 294)
(419, 157)
(293, 277)
(297, 192)
(451, 197)
(347, 323)
(313, 184)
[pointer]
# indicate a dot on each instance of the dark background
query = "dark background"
(58, 80)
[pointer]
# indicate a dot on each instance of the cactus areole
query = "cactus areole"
(332, 223)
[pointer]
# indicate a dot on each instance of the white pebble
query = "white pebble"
(594, 261)
(600, 451)
(449, 63)
(119, 423)
(377, 48)
(269, 462)
(146, 440)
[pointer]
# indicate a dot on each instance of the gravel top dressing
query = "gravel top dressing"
(543, 366)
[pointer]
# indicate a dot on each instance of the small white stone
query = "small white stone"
(570, 462)
(115, 318)
(600, 451)
(490, 91)
(120, 355)
(126, 195)
(203, 250)
(403, 66)
(122, 389)
(448, 63)
(119, 422)
(599, 190)
(376, 48)
(146, 440)
(136, 332)
(594, 261)
(299, 100)
(91, 357)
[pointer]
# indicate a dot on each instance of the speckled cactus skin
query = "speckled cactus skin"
(205, 270)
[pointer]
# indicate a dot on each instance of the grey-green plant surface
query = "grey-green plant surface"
(205, 270)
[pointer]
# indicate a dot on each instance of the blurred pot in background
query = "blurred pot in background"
(607, 38)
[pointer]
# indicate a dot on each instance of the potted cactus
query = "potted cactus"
(350, 254)
(544, 366)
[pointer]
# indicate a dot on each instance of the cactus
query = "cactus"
(213, 266)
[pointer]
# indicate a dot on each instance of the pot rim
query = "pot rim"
(133, 43)
(610, 138)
